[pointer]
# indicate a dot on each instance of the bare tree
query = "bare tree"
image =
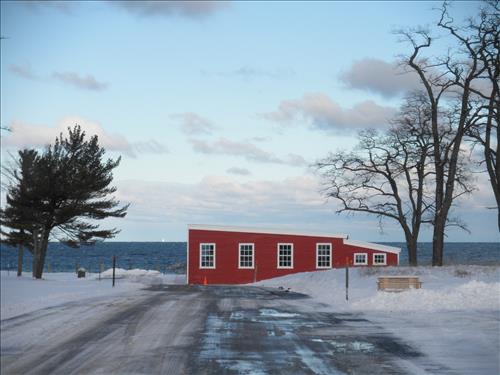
(392, 174)
(387, 175)
(484, 131)
(450, 85)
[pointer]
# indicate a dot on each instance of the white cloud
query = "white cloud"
(294, 202)
(248, 73)
(74, 79)
(392, 79)
(239, 171)
(150, 147)
(246, 150)
(29, 135)
(193, 124)
(88, 82)
(23, 71)
(65, 7)
(321, 112)
(217, 199)
(191, 9)
(387, 79)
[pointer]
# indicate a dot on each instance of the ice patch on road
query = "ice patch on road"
(318, 340)
(236, 316)
(276, 314)
(344, 347)
(242, 367)
(314, 363)
(361, 346)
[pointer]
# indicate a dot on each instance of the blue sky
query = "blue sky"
(218, 109)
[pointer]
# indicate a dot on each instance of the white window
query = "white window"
(360, 259)
(285, 255)
(323, 255)
(207, 255)
(246, 255)
(379, 259)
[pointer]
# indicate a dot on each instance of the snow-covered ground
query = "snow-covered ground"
(444, 289)
(20, 295)
(454, 318)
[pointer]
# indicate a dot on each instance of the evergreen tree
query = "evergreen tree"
(17, 214)
(61, 196)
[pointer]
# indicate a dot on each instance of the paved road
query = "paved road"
(203, 330)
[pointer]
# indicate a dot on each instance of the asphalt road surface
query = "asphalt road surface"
(203, 330)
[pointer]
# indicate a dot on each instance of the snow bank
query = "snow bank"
(473, 295)
(444, 289)
(24, 294)
(147, 277)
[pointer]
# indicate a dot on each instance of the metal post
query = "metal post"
(347, 279)
(114, 266)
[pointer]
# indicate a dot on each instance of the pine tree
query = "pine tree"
(66, 190)
(18, 212)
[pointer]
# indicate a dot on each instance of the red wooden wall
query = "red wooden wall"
(265, 259)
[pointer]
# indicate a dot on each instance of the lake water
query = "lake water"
(171, 256)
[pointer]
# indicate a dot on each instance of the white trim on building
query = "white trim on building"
(360, 263)
(379, 263)
(278, 255)
(253, 255)
(208, 255)
(318, 256)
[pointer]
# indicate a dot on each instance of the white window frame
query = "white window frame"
(365, 263)
(253, 256)
(215, 252)
(278, 256)
(317, 255)
(379, 264)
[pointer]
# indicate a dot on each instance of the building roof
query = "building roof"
(373, 246)
(223, 228)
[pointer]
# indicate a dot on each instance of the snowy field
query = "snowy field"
(20, 295)
(454, 319)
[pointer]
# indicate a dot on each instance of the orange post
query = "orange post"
(205, 281)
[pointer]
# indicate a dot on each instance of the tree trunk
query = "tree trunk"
(498, 214)
(20, 255)
(438, 242)
(36, 251)
(411, 245)
(42, 251)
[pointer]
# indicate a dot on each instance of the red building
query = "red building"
(234, 255)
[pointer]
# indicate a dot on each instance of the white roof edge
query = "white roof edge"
(224, 228)
(373, 246)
